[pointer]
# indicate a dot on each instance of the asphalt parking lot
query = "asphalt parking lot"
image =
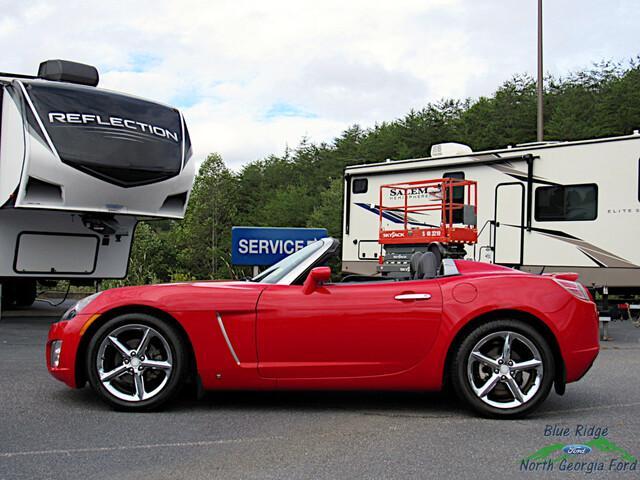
(50, 431)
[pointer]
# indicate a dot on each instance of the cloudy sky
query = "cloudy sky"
(255, 76)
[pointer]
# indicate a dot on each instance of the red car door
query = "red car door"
(346, 330)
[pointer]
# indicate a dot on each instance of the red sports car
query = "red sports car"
(498, 336)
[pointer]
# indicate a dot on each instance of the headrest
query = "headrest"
(427, 267)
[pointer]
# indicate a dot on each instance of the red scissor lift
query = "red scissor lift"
(438, 215)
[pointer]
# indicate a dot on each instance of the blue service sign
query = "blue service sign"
(269, 245)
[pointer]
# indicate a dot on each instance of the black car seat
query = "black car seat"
(414, 261)
(435, 249)
(428, 266)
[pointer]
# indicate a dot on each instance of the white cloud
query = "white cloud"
(228, 63)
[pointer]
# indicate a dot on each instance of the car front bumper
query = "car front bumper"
(69, 333)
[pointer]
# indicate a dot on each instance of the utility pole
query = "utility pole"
(540, 85)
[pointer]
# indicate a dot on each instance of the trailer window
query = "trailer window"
(360, 185)
(456, 175)
(566, 203)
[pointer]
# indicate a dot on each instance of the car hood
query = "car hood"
(187, 296)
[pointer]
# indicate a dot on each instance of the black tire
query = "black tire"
(26, 292)
(130, 322)
(8, 295)
(464, 366)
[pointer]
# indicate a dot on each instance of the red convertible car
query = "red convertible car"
(501, 338)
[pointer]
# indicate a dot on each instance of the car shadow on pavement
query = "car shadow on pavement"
(431, 404)
(441, 404)
(83, 399)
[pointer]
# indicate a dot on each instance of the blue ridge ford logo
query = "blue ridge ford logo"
(576, 449)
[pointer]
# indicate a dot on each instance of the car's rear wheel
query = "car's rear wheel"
(503, 369)
(136, 361)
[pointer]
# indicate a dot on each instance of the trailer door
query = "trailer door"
(508, 238)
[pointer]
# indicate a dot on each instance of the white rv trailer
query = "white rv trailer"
(555, 206)
(79, 167)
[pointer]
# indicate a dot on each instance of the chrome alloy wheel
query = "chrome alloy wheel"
(134, 362)
(505, 369)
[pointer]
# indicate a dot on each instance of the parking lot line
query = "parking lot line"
(206, 443)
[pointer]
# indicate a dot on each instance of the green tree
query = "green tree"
(203, 238)
(328, 211)
(289, 206)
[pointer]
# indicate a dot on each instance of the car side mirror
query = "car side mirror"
(317, 276)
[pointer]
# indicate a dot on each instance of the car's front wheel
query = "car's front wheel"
(136, 361)
(503, 369)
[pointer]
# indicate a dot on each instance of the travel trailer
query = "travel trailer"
(79, 167)
(541, 207)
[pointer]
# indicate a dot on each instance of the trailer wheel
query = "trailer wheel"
(25, 293)
(8, 295)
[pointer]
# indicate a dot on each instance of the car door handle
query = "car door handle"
(413, 296)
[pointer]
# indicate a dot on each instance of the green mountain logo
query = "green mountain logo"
(554, 452)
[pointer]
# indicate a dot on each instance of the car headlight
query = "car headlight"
(79, 306)
(56, 347)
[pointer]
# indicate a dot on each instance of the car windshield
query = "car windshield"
(278, 271)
